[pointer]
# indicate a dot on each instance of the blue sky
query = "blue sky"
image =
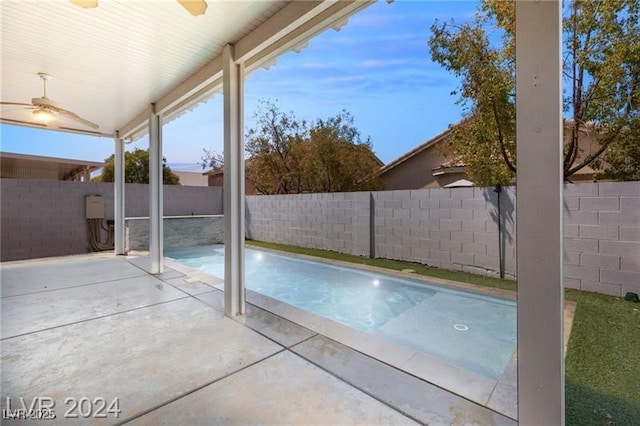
(377, 67)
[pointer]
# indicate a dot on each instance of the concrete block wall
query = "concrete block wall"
(448, 228)
(41, 218)
(458, 229)
(453, 229)
(178, 200)
(602, 237)
(45, 218)
(337, 221)
(179, 232)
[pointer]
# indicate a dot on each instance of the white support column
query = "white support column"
(234, 198)
(118, 196)
(539, 212)
(155, 192)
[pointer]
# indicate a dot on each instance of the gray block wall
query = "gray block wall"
(41, 218)
(453, 229)
(178, 200)
(336, 221)
(602, 237)
(448, 228)
(45, 218)
(457, 229)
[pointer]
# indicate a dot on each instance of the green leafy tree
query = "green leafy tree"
(601, 70)
(337, 160)
(286, 155)
(275, 151)
(136, 168)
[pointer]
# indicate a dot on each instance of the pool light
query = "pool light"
(376, 283)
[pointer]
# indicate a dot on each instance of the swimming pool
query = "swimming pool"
(471, 330)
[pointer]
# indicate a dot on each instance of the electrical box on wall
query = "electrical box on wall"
(94, 207)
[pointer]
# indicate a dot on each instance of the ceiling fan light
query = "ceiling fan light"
(87, 4)
(194, 7)
(43, 116)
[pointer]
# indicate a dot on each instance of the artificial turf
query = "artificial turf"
(602, 366)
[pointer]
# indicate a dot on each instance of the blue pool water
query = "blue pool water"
(471, 330)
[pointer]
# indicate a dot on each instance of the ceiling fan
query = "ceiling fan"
(45, 109)
(194, 7)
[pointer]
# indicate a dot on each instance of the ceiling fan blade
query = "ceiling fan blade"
(18, 108)
(16, 104)
(75, 117)
(194, 7)
(86, 4)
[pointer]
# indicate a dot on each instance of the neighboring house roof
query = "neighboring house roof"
(454, 162)
(220, 170)
(191, 178)
(457, 164)
(22, 166)
(376, 159)
(214, 172)
(460, 183)
(439, 138)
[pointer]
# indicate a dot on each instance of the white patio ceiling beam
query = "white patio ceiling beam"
(539, 212)
(335, 16)
(277, 27)
(205, 80)
(136, 127)
(63, 129)
(293, 25)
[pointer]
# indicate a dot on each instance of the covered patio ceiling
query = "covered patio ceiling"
(109, 63)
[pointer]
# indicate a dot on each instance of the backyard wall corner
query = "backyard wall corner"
(43, 218)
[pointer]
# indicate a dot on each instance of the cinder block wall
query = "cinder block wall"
(178, 200)
(458, 229)
(447, 228)
(41, 218)
(453, 229)
(336, 221)
(602, 237)
(46, 218)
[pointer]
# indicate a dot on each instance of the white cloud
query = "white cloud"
(384, 63)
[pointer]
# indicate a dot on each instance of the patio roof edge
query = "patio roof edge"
(293, 25)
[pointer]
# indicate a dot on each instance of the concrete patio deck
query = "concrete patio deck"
(98, 326)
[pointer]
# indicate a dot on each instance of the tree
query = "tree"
(275, 149)
(286, 155)
(337, 160)
(211, 159)
(136, 168)
(602, 88)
